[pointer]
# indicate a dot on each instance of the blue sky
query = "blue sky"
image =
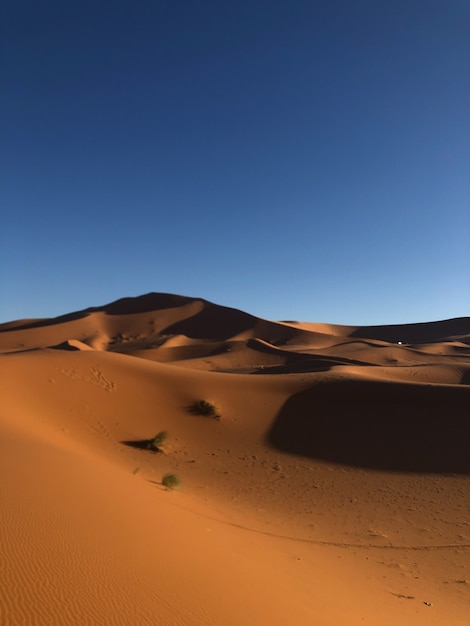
(298, 160)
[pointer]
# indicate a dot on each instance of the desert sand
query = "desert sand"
(333, 490)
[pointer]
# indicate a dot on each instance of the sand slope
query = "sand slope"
(334, 490)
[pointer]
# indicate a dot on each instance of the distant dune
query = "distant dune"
(333, 490)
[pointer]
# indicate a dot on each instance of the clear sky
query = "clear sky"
(301, 160)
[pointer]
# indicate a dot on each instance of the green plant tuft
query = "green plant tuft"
(171, 481)
(202, 407)
(158, 441)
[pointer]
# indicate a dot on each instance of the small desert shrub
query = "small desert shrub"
(171, 481)
(202, 407)
(158, 441)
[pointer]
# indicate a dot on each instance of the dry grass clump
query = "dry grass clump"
(171, 481)
(202, 407)
(158, 441)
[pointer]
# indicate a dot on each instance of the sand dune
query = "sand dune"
(333, 490)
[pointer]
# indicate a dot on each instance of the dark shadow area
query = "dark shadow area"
(141, 444)
(430, 332)
(465, 380)
(215, 322)
(296, 365)
(174, 353)
(298, 361)
(142, 304)
(383, 426)
(124, 306)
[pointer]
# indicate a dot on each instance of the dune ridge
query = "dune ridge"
(333, 490)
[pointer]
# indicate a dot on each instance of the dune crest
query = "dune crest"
(329, 485)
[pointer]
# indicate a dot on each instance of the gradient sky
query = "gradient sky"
(300, 160)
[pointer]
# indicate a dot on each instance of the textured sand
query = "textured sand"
(333, 491)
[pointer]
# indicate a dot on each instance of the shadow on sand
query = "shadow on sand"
(383, 426)
(141, 444)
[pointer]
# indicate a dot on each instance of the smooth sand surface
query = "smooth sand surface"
(334, 490)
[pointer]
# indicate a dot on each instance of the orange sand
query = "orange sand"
(333, 491)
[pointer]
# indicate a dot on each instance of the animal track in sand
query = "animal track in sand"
(96, 378)
(99, 428)
(341, 544)
(70, 373)
(99, 379)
